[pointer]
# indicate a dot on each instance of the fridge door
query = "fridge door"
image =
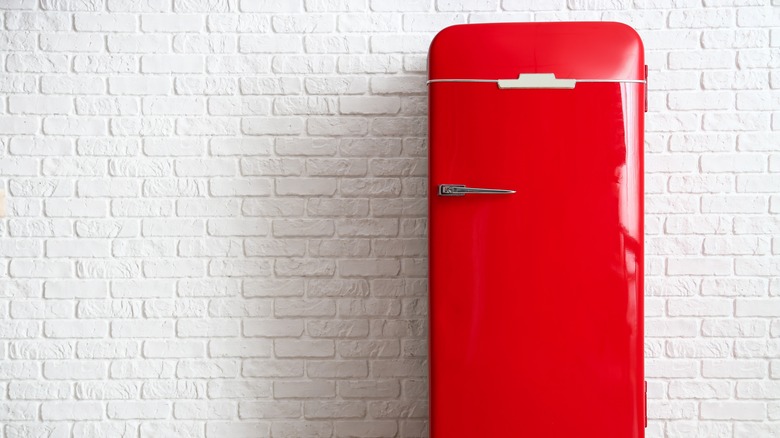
(535, 296)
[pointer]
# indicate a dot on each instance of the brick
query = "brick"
(271, 167)
(239, 430)
(756, 348)
(762, 430)
(71, 369)
(337, 369)
(671, 329)
(710, 59)
(335, 44)
(19, 329)
(757, 183)
(174, 105)
(237, 64)
(340, 247)
(40, 268)
(203, 410)
(41, 309)
(222, 389)
(407, 5)
(374, 428)
(20, 370)
(375, 388)
(700, 307)
(272, 125)
(303, 227)
(287, 429)
(236, 307)
(206, 86)
(735, 369)
(270, 86)
(39, 391)
(759, 308)
(270, 44)
(121, 43)
(107, 147)
(107, 350)
(272, 207)
(699, 266)
(211, 368)
(172, 23)
(81, 410)
(758, 17)
(39, 105)
(75, 289)
(18, 125)
(269, 409)
(336, 85)
(109, 309)
(698, 349)
(741, 80)
(152, 429)
(223, 327)
(273, 328)
(192, 43)
(34, 21)
(110, 269)
(733, 410)
(277, 368)
(139, 85)
(737, 245)
(126, 410)
(105, 64)
(42, 63)
(172, 64)
(304, 389)
(763, 266)
(335, 5)
(231, 106)
(735, 287)
(81, 248)
(97, 390)
(306, 186)
(148, 368)
(207, 288)
(303, 348)
(699, 19)
(298, 307)
(71, 43)
(240, 348)
(216, 247)
(205, 6)
(142, 329)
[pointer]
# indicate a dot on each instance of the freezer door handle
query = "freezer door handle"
(461, 190)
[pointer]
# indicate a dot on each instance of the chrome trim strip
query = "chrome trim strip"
(630, 81)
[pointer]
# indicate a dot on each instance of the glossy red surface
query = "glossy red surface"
(536, 297)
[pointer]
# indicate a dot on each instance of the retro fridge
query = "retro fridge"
(536, 231)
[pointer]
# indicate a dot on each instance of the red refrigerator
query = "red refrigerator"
(536, 231)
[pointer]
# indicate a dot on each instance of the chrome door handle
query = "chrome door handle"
(461, 190)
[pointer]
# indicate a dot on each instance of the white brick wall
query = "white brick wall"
(216, 214)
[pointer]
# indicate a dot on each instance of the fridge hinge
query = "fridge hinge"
(645, 403)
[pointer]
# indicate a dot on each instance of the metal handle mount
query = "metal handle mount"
(461, 190)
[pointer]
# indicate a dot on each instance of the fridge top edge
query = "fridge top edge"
(593, 50)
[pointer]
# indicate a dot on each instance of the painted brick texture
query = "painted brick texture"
(216, 214)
